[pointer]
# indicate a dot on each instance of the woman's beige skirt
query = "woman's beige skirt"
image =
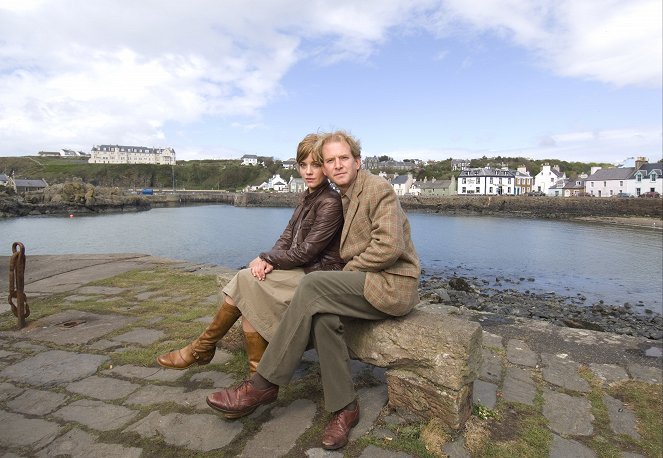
(263, 303)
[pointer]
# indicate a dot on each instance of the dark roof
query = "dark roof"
(486, 172)
(437, 184)
(400, 179)
(618, 173)
(647, 169)
(30, 183)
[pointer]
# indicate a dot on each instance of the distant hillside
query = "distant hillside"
(223, 174)
(219, 174)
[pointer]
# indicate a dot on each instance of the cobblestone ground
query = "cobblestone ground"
(61, 396)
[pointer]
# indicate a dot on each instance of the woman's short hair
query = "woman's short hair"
(307, 147)
(340, 136)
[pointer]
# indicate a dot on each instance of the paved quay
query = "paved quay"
(61, 394)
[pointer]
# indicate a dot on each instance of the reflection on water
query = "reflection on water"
(614, 264)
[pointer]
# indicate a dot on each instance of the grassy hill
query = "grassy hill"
(208, 174)
(219, 174)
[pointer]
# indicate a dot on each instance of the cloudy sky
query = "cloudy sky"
(429, 79)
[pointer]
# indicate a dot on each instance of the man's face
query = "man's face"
(339, 164)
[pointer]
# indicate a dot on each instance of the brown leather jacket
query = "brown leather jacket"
(312, 237)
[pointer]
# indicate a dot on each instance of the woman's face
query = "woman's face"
(311, 172)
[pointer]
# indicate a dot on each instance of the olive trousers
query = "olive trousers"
(315, 312)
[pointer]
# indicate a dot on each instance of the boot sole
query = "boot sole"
(200, 363)
(234, 414)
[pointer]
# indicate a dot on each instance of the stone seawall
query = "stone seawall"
(537, 207)
(534, 207)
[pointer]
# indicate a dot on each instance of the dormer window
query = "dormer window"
(653, 176)
(638, 177)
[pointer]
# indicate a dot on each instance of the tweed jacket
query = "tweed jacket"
(312, 237)
(376, 240)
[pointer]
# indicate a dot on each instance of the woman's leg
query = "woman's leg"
(255, 345)
(201, 350)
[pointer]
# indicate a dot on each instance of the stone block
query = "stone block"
(411, 394)
(432, 360)
(442, 349)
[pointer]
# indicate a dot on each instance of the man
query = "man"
(379, 281)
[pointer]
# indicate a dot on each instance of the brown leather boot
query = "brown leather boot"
(255, 347)
(201, 350)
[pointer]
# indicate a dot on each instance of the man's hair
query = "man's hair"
(308, 147)
(340, 136)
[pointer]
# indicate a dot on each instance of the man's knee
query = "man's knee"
(312, 284)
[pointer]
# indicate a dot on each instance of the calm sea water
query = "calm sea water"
(614, 264)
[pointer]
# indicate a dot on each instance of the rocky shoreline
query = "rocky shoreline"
(71, 198)
(503, 305)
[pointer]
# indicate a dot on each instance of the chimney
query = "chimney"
(639, 162)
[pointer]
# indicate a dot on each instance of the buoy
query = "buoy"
(71, 215)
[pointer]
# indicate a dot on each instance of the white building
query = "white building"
(547, 177)
(249, 159)
(296, 185)
(609, 182)
(486, 181)
(646, 178)
(402, 184)
(119, 154)
(275, 183)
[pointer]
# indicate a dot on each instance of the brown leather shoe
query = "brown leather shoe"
(241, 400)
(338, 429)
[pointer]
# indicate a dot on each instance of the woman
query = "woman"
(261, 293)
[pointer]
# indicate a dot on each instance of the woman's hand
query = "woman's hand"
(260, 268)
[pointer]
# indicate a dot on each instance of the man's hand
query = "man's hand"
(260, 268)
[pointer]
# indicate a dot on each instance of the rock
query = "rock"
(432, 361)
(460, 284)
(71, 197)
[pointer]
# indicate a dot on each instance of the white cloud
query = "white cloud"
(74, 74)
(619, 42)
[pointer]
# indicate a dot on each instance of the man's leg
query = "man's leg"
(337, 293)
(337, 384)
(319, 293)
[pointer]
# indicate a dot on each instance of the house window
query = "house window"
(621, 183)
(592, 183)
(491, 180)
(653, 177)
(605, 183)
(638, 177)
(491, 189)
(611, 192)
(478, 190)
(637, 191)
(463, 189)
(463, 183)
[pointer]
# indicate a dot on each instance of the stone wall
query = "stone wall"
(536, 207)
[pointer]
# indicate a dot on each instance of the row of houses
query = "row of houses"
(641, 178)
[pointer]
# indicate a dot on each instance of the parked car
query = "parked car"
(623, 194)
(584, 194)
(536, 193)
(650, 194)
